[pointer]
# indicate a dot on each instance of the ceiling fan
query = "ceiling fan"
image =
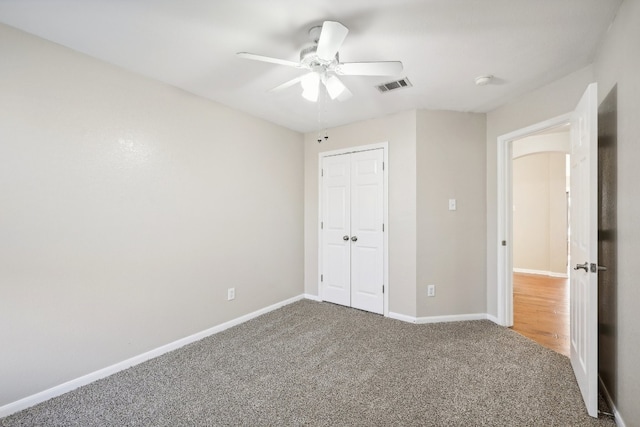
(322, 60)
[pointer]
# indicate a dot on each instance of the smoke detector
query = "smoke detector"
(483, 80)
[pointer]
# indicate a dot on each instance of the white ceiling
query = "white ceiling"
(444, 45)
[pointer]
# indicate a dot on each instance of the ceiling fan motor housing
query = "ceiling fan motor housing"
(314, 33)
(309, 57)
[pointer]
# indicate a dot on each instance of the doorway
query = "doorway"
(583, 239)
(352, 233)
(505, 207)
(540, 183)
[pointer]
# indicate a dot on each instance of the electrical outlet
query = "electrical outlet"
(231, 294)
(431, 290)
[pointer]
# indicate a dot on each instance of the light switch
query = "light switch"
(452, 204)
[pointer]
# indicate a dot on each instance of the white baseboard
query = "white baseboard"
(438, 319)
(605, 393)
(68, 386)
(313, 297)
(493, 318)
(540, 272)
(402, 317)
(451, 318)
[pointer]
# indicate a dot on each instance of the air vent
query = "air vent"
(397, 84)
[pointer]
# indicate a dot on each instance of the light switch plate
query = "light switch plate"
(452, 204)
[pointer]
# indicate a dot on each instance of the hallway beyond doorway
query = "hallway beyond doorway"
(541, 310)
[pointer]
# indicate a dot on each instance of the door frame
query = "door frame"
(385, 213)
(505, 212)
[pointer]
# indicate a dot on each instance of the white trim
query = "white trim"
(540, 272)
(385, 158)
(505, 214)
(451, 318)
(441, 319)
(402, 317)
(312, 297)
(68, 386)
(605, 394)
(493, 318)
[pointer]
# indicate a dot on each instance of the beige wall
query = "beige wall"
(128, 209)
(540, 212)
(451, 244)
(433, 156)
(618, 62)
(556, 141)
(399, 130)
(558, 216)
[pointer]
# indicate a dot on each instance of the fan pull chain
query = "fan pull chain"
(322, 114)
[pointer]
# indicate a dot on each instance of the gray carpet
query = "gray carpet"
(319, 364)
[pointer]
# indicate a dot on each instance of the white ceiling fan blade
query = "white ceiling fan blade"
(381, 68)
(254, 57)
(331, 38)
(335, 88)
(286, 85)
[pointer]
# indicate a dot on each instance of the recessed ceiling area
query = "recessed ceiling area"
(443, 44)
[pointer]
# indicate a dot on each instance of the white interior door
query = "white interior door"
(336, 229)
(584, 248)
(352, 230)
(366, 231)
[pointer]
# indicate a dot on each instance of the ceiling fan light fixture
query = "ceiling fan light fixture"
(310, 86)
(334, 86)
(310, 95)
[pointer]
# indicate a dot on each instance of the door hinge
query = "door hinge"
(382, 165)
(321, 172)
(383, 226)
(322, 277)
(383, 289)
(321, 225)
(504, 243)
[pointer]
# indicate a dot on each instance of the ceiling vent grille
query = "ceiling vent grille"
(397, 84)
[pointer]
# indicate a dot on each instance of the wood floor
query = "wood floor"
(541, 310)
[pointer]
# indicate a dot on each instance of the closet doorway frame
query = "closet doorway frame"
(385, 214)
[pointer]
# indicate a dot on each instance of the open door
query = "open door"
(584, 247)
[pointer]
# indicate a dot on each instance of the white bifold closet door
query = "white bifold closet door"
(352, 230)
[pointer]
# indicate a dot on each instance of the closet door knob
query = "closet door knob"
(354, 239)
(345, 238)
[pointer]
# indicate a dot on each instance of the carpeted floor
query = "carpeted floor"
(319, 364)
